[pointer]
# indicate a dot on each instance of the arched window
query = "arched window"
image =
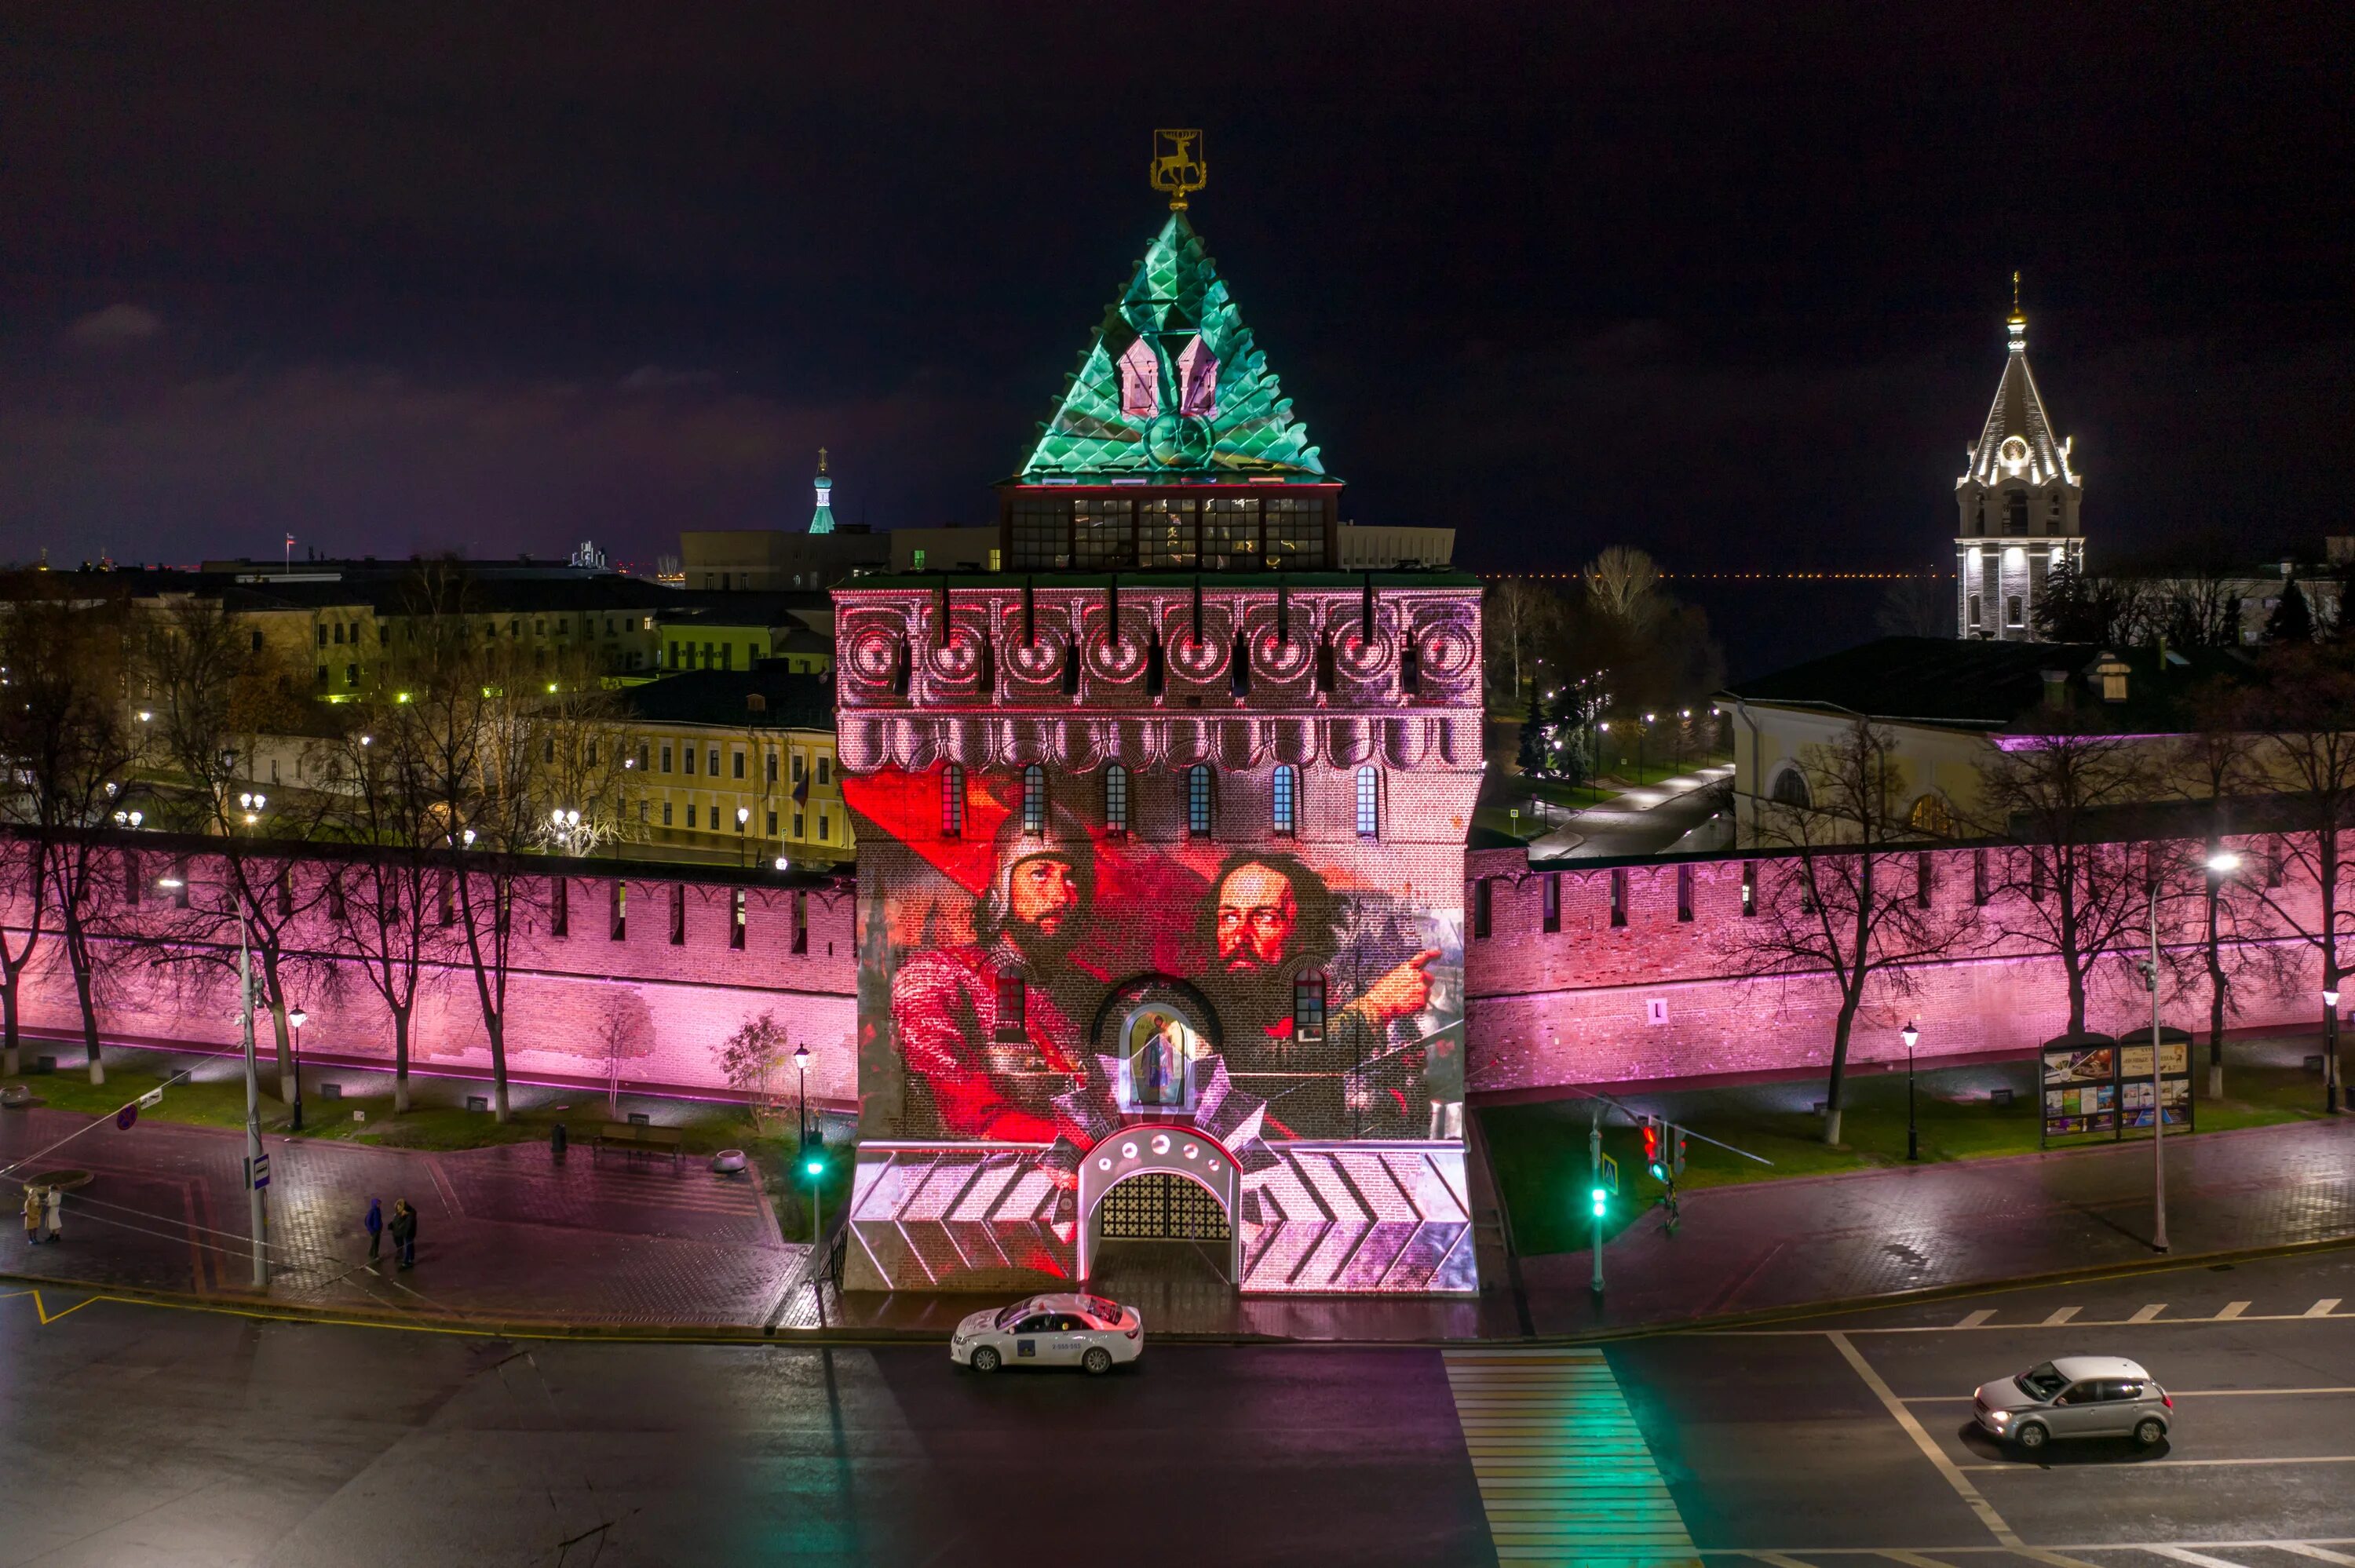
(1932, 815)
(1012, 1001)
(1034, 798)
(1791, 789)
(1286, 814)
(1115, 788)
(1198, 801)
(1197, 380)
(1369, 803)
(1309, 1009)
(951, 801)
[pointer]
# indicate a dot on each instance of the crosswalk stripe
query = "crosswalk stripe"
(1972, 1320)
(1913, 1560)
(1563, 1470)
(2234, 1310)
(2145, 1313)
(2323, 1307)
(2060, 1317)
(2050, 1559)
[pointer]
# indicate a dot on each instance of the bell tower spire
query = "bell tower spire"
(2019, 500)
(822, 520)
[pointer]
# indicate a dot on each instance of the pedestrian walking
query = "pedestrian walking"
(32, 1215)
(374, 1225)
(57, 1205)
(404, 1232)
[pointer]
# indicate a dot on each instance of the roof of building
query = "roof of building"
(1204, 404)
(1987, 685)
(723, 698)
(2017, 410)
(1383, 577)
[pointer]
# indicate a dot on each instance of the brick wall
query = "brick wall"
(1660, 997)
(574, 1002)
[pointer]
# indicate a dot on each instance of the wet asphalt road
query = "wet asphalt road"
(135, 1434)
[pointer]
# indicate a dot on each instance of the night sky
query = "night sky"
(1727, 281)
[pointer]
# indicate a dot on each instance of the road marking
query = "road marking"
(2145, 1313)
(2165, 1465)
(1972, 1320)
(1563, 1470)
(2317, 1553)
(2323, 1307)
(2234, 1310)
(2052, 1559)
(2055, 1555)
(1914, 1560)
(2060, 1317)
(1922, 1440)
(2177, 1554)
(1778, 1561)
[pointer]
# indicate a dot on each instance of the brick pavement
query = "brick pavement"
(509, 1236)
(505, 1233)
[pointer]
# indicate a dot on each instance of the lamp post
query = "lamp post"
(295, 1021)
(801, 1099)
(743, 844)
(2158, 1108)
(1912, 1035)
(2330, 1046)
(1639, 747)
(257, 1207)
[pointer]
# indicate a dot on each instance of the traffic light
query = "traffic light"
(1677, 1150)
(1599, 1199)
(1655, 1156)
(813, 1156)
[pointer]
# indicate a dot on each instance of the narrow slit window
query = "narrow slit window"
(1978, 878)
(801, 922)
(1198, 801)
(1749, 887)
(1619, 897)
(1369, 803)
(678, 914)
(1482, 907)
(736, 920)
(621, 926)
(1034, 798)
(1115, 799)
(1684, 893)
(1924, 870)
(1552, 892)
(1309, 1009)
(560, 909)
(951, 801)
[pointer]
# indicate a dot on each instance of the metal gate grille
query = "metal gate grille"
(1156, 1206)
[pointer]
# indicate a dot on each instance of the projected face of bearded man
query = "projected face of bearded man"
(1259, 924)
(1042, 898)
(1258, 910)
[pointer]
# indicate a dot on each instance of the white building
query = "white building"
(2018, 502)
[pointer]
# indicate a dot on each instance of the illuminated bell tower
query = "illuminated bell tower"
(2018, 502)
(822, 520)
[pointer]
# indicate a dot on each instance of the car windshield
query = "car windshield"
(1014, 1314)
(2042, 1381)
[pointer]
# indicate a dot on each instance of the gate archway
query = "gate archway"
(1170, 1152)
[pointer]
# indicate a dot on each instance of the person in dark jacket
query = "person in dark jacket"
(374, 1225)
(404, 1232)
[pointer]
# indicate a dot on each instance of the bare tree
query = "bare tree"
(753, 1058)
(221, 697)
(1624, 583)
(1521, 617)
(2067, 890)
(71, 744)
(24, 883)
(2305, 714)
(1850, 896)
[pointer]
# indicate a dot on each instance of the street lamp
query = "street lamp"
(294, 1021)
(2330, 1040)
(2220, 863)
(801, 1101)
(743, 844)
(1912, 1035)
(257, 1209)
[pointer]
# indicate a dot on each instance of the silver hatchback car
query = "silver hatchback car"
(2075, 1396)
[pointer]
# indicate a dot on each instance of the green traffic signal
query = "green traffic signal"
(1599, 1197)
(814, 1166)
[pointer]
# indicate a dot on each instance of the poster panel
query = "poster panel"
(2081, 1090)
(1042, 971)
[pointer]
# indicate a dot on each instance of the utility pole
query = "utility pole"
(1594, 1160)
(2157, 1100)
(257, 1168)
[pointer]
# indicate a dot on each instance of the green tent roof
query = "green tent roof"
(1247, 430)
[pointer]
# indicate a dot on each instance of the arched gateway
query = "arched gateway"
(1147, 1157)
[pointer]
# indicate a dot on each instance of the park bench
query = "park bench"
(630, 1138)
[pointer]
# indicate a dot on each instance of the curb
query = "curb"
(748, 1334)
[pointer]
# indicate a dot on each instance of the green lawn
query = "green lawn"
(1540, 1150)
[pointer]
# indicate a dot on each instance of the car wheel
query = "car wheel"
(984, 1360)
(2149, 1431)
(1098, 1361)
(2031, 1436)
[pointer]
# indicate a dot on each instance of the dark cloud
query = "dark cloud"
(115, 327)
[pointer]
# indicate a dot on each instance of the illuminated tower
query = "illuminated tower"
(2018, 502)
(1161, 838)
(822, 520)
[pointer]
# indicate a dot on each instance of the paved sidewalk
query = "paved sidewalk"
(505, 1233)
(1770, 1244)
(1650, 819)
(511, 1238)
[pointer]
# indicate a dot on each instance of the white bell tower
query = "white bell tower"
(2018, 501)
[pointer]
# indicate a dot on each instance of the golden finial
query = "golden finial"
(821, 459)
(1179, 166)
(2015, 314)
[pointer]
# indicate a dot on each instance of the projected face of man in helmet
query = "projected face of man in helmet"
(1042, 894)
(1257, 912)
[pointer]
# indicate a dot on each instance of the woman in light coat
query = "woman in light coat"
(32, 1215)
(56, 1213)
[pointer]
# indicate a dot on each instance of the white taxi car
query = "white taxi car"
(1085, 1331)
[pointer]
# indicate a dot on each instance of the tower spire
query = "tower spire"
(822, 520)
(2018, 321)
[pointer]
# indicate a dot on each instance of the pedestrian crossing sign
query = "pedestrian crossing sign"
(1611, 1175)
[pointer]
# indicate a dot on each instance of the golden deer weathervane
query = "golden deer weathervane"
(1179, 166)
